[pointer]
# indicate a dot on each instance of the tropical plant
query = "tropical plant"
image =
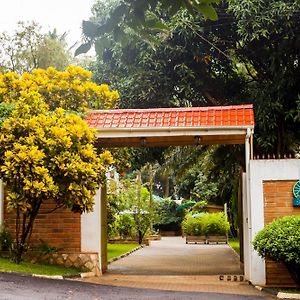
(192, 226)
(280, 241)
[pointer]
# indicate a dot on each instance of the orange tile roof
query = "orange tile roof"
(235, 115)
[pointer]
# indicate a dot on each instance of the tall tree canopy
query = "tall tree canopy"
(141, 17)
(28, 48)
(249, 55)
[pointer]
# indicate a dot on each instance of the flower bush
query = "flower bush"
(71, 89)
(47, 155)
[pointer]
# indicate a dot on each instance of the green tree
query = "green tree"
(167, 217)
(141, 18)
(27, 49)
(133, 199)
(268, 48)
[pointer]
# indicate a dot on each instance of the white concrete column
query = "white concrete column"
(246, 239)
(247, 208)
(90, 227)
(1, 203)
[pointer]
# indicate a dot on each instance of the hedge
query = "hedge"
(206, 224)
(280, 241)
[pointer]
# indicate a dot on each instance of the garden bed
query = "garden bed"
(203, 239)
(196, 239)
(217, 239)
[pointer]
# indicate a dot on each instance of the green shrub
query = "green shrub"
(280, 241)
(125, 225)
(6, 240)
(192, 226)
(205, 224)
(215, 223)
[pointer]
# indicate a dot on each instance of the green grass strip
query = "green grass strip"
(235, 244)
(115, 250)
(7, 265)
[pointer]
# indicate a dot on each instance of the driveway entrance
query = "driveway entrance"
(172, 256)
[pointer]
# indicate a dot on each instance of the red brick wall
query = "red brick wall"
(60, 228)
(278, 197)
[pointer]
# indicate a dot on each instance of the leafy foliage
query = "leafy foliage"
(128, 211)
(206, 224)
(6, 239)
(124, 226)
(280, 241)
(140, 17)
(71, 89)
(167, 217)
(5, 111)
(268, 49)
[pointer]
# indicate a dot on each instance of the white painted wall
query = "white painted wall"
(91, 228)
(1, 202)
(260, 170)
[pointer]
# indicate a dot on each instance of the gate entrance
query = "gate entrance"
(165, 127)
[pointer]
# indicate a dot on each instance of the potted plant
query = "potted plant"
(216, 227)
(193, 229)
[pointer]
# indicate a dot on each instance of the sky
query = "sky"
(64, 15)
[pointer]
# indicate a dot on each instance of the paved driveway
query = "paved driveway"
(172, 256)
(171, 265)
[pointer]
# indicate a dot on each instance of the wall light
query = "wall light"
(143, 141)
(197, 139)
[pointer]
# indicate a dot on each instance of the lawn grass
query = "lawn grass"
(7, 265)
(235, 244)
(115, 250)
(287, 290)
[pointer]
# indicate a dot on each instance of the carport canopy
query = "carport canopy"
(159, 127)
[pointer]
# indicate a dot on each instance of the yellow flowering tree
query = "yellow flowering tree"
(47, 155)
(71, 89)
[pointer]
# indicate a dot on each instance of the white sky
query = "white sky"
(64, 15)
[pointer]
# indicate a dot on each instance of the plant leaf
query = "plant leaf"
(83, 48)
(208, 11)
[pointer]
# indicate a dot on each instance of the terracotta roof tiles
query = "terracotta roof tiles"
(235, 115)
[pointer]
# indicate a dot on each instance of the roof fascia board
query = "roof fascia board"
(139, 132)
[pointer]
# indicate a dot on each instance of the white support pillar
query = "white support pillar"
(91, 228)
(1, 203)
(247, 208)
(246, 239)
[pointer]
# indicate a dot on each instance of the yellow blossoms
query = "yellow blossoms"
(49, 155)
(71, 89)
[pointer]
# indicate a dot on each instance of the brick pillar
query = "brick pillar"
(278, 203)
